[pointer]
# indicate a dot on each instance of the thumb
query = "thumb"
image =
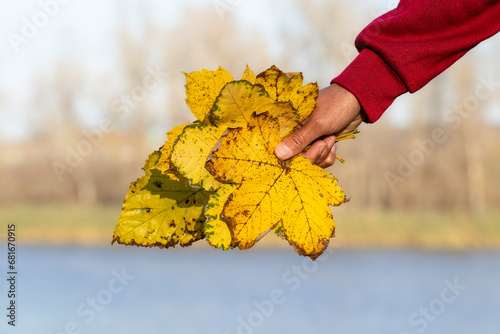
(295, 143)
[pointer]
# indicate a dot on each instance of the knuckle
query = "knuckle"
(297, 140)
(329, 161)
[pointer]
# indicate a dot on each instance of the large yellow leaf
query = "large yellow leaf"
(296, 192)
(287, 87)
(216, 228)
(202, 88)
(159, 211)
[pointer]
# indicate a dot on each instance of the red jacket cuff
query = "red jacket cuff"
(373, 82)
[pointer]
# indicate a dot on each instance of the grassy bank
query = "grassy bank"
(94, 225)
(428, 230)
(61, 223)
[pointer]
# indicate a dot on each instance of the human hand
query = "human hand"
(338, 111)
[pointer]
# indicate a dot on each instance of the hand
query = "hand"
(338, 111)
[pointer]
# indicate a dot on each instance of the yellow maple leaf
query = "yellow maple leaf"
(287, 87)
(295, 192)
(202, 87)
(216, 228)
(160, 211)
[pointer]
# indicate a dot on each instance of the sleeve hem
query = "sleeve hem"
(373, 82)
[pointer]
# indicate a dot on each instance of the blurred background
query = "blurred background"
(80, 114)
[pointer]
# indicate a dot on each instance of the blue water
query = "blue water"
(137, 290)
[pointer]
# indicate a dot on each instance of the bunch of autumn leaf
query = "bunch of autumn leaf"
(218, 177)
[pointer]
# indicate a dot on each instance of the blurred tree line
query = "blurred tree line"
(445, 159)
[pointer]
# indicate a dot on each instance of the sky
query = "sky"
(82, 31)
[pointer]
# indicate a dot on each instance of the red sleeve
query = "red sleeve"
(407, 47)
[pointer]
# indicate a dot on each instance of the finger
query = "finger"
(316, 150)
(320, 149)
(296, 142)
(330, 160)
(323, 156)
(330, 142)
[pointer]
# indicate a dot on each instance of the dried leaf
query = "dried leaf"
(202, 88)
(287, 87)
(296, 192)
(217, 230)
(159, 211)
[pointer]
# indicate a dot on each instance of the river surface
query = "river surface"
(138, 290)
